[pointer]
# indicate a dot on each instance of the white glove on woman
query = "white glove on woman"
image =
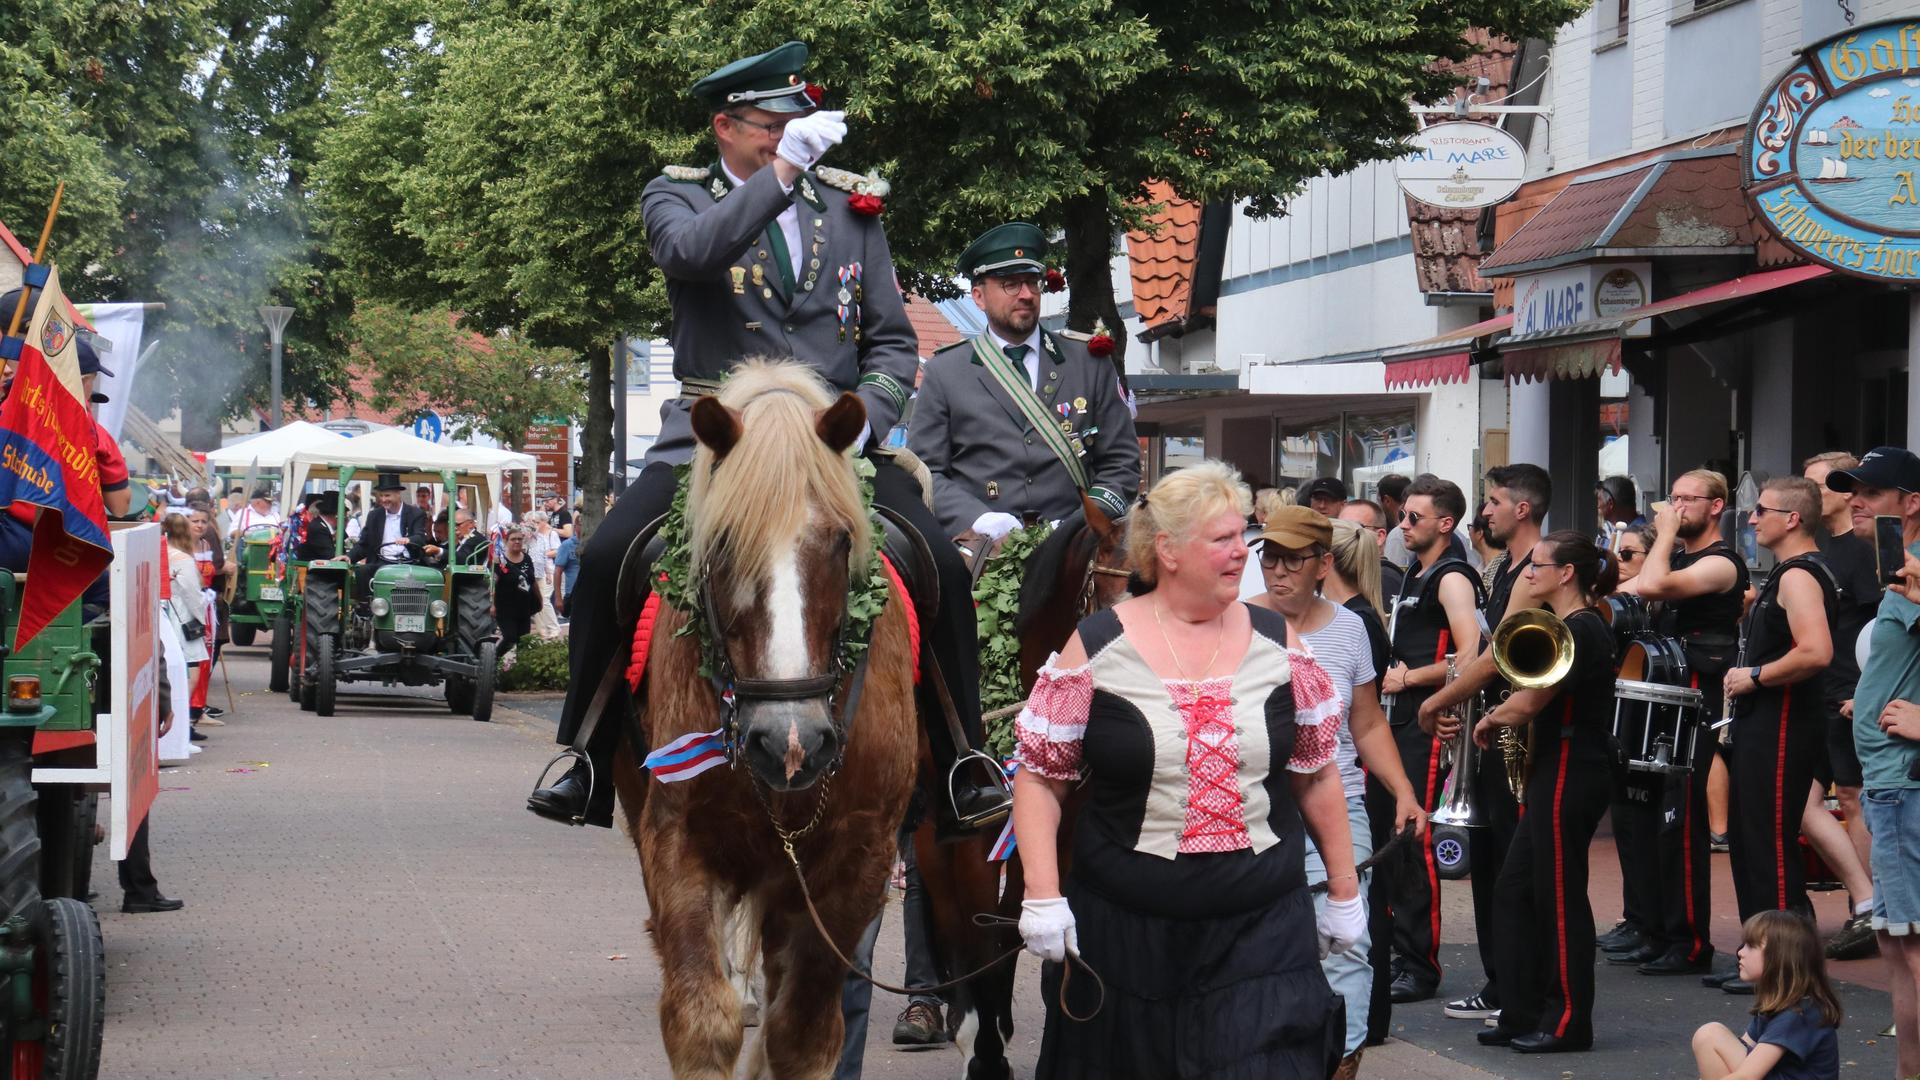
(1048, 928)
(809, 137)
(994, 525)
(1340, 924)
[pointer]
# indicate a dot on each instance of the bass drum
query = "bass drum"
(1653, 659)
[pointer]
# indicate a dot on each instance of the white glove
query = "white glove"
(808, 138)
(1340, 924)
(1048, 928)
(994, 525)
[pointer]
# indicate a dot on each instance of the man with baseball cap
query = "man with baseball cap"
(1326, 494)
(1886, 732)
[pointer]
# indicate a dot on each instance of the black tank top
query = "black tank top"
(1422, 622)
(1579, 719)
(1713, 616)
(1769, 636)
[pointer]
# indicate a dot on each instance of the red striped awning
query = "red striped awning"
(1428, 371)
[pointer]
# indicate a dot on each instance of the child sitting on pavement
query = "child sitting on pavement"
(1796, 1015)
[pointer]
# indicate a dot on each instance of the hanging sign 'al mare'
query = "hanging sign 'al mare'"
(1462, 165)
(1832, 157)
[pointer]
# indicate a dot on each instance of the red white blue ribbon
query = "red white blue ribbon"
(1003, 847)
(688, 756)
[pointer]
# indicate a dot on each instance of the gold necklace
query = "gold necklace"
(1174, 654)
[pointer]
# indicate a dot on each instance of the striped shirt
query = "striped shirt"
(1342, 648)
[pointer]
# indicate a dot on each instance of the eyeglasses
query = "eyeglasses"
(1678, 498)
(1412, 518)
(1012, 286)
(1762, 510)
(1271, 556)
(1531, 567)
(775, 129)
(1630, 554)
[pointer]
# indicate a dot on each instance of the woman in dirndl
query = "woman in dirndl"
(1206, 745)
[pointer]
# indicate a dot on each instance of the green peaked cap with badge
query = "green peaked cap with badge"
(1014, 248)
(770, 81)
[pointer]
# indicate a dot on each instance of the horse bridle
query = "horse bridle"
(732, 690)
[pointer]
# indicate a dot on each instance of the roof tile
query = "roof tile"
(1161, 259)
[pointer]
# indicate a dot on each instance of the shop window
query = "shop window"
(1358, 447)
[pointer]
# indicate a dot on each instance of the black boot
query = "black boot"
(978, 797)
(564, 800)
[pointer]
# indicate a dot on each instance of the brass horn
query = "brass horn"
(1533, 650)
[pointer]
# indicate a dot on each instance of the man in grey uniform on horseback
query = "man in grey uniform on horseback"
(1020, 421)
(766, 255)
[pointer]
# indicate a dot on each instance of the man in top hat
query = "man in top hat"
(1020, 421)
(766, 255)
(323, 522)
(395, 531)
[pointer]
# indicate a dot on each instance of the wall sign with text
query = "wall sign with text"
(1832, 157)
(1462, 165)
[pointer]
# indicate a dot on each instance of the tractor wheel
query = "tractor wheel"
(19, 828)
(281, 654)
(323, 676)
(74, 966)
(460, 694)
(488, 666)
(241, 634)
(474, 609)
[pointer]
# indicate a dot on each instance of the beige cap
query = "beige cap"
(1298, 528)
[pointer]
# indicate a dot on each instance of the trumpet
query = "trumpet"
(1533, 650)
(1457, 813)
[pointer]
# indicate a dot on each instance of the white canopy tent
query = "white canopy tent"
(394, 450)
(271, 448)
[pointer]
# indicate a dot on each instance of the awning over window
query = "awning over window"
(1735, 289)
(1441, 358)
(1576, 360)
(1428, 371)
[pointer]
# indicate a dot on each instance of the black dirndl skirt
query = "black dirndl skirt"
(1238, 997)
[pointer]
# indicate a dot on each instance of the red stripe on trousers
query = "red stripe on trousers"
(1560, 885)
(1779, 828)
(1686, 856)
(1433, 872)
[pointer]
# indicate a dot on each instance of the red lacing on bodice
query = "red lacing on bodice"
(1216, 819)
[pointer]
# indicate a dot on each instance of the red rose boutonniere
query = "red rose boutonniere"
(870, 205)
(1101, 343)
(816, 92)
(1056, 281)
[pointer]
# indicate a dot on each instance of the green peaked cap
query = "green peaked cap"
(770, 81)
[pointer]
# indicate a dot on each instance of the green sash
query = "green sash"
(1012, 378)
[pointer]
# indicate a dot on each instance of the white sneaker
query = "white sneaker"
(1471, 1008)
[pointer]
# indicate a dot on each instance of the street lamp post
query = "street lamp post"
(276, 319)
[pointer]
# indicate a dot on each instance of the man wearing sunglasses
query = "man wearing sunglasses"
(1780, 728)
(1702, 583)
(1435, 613)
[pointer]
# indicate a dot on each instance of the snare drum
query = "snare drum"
(1656, 714)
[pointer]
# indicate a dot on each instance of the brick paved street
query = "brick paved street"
(367, 898)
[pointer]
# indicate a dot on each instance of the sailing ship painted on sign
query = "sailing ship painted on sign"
(1833, 171)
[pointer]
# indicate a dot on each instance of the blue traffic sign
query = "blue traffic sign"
(427, 426)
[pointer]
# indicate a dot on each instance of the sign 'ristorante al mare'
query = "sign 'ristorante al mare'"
(1832, 157)
(1462, 165)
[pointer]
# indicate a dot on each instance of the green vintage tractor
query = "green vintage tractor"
(417, 625)
(260, 592)
(62, 721)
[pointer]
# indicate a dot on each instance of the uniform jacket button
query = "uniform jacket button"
(789, 328)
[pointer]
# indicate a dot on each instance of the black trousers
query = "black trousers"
(1380, 892)
(136, 870)
(1545, 945)
(595, 638)
(1636, 838)
(1778, 741)
(1487, 854)
(1416, 894)
(1684, 886)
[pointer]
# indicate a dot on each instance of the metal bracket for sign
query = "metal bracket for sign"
(1465, 108)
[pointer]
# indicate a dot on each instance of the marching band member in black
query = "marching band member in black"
(1437, 613)
(1701, 580)
(1544, 948)
(1779, 729)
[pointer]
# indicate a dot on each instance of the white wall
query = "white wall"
(1370, 306)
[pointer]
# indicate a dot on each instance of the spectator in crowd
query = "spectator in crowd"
(1794, 1033)
(1392, 490)
(1631, 544)
(516, 591)
(558, 515)
(211, 561)
(323, 524)
(566, 567)
(499, 517)
(188, 606)
(1491, 549)
(1617, 502)
(470, 544)
(258, 511)
(1326, 494)
(423, 498)
(1886, 734)
(543, 542)
(436, 547)
(1372, 516)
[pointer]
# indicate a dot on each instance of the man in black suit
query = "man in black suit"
(323, 521)
(394, 532)
(470, 543)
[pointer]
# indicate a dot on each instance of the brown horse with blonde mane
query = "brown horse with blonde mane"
(779, 531)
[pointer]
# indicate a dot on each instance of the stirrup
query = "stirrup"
(541, 783)
(998, 776)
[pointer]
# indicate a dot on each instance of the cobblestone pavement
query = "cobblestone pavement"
(368, 898)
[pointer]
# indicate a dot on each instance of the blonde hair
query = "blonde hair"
(1832, 459)
(1715, 483)
(1356, 557)
(1176, 507)
(747, 509)
(1269, 500)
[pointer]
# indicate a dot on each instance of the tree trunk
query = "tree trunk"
(1090, 272)
(596, 441)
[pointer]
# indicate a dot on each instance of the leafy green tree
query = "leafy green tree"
(491, 156)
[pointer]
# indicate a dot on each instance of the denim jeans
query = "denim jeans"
(1349, 973)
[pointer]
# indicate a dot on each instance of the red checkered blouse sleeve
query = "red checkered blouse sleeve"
(1316, 714)
(1054, 721)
